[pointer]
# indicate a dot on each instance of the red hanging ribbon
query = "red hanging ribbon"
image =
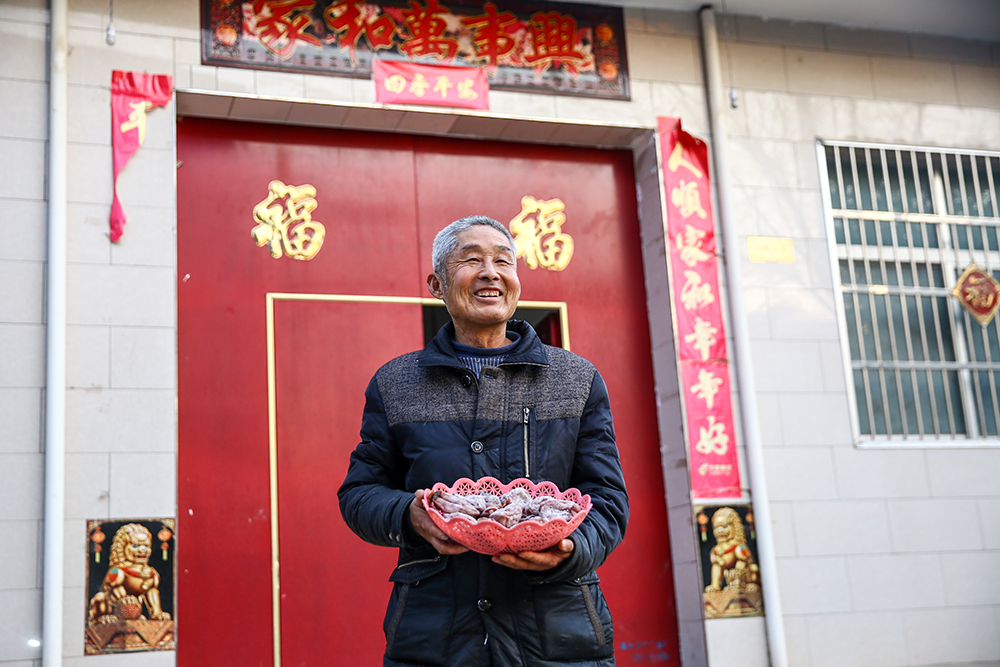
(132, 95)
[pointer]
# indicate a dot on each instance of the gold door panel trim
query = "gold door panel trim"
(272, 412)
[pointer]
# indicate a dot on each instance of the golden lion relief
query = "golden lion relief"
(730, 557)
(131, 583)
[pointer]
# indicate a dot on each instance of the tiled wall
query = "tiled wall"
(895, 550)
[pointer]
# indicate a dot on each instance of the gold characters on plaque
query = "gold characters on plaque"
(979, 293)
(538, 234)
(285, 223)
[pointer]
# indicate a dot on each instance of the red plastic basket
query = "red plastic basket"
(488, 536)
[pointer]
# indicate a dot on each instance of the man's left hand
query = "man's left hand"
(537, 560)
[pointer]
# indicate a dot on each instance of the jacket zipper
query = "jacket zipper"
(527, 464)
(417, 562)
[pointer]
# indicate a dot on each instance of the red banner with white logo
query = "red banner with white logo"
(132, 95)
(701, 336)
(434, 85)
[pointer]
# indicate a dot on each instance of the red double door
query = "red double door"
(275, 352)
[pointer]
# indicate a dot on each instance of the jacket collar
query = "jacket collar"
(527, 350)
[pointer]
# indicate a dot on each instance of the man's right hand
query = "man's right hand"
(427, 529)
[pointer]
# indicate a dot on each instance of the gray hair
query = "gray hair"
(447, 240)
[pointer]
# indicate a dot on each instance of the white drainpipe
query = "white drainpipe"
(55, 348)
(741, 338)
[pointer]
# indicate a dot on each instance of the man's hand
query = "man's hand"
(537, 560)
(427, 529)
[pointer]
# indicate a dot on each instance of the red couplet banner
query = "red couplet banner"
(132, 95)
(701, 336)
(435, 85)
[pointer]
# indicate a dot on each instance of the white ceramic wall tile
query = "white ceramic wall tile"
(88, 357)
(22, 174)
(20, 419)
(25, 240)
(87, 486)
(880, 473)
(845, 527)
(874, 582)
(88, 233)
(825, 73)
(816, 419)
(125, 420)
(24, 50)
(755, 66)
(989, 521)
(22, 560)
(763, 275)
(23, 362)
(148, 178)
(873, 639)
(681, 101)
(20, 483)
(755, 303)
(796, 640)
(831, 360)
(802, 314)
(951, 636)
(799, 33)
(327, 88)
(279, 84)
(22, 106)
(92, 176)
(790, 212)
(207, 78)
(816, 254)
(74, 601)
(772, 115)
(21, 620)
(668, 22)
(978, 85)
(143, 357)
(121, 295)
(637, 111)
(800, 473)
(658, 57)
(22, 305)
(786, 366)
(783, 529)
(75, 543)
(859, 40)
(91, 60)
(149, 238)
(741, 641)
(964, 472)
(913, 80)
(90, 122)
(962, 127)
(143, 485)
(759, 163)
(182, 77)
(939, 524)
(813, 585)
(966, 579)
(34, 11)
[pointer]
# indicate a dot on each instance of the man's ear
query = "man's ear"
(436, 286)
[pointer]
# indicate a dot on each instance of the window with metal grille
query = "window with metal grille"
(904, 225)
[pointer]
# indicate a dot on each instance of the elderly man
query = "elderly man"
(487, 398)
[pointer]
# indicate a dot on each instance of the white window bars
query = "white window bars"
(904, 222)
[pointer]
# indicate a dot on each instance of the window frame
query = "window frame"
(950, 270)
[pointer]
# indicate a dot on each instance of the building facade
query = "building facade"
(870, 159)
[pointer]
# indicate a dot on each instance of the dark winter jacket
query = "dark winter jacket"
(542, 414)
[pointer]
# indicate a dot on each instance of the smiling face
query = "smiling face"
(481, 288)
